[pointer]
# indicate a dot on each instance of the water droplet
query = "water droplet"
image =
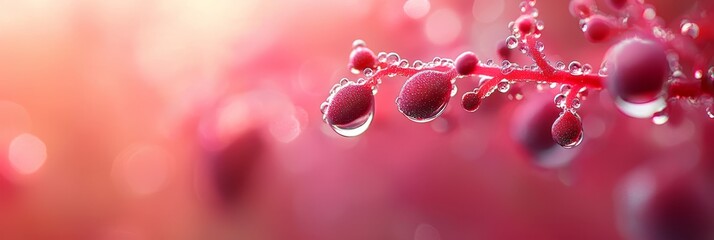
(418, 64)
(576, 103)
(690, 29)
(540, 87)
(641, 110)
(445, 62)
(649, 13)
(375, 89)
(539, 46)
(454, 90)
(392, 58)
(403, 63)
(523, 6)
(559, 100)
(382, 57)
(710, 112)
(368, 72)
(436, 60)
(565, 88)
(560, 65)
(323, 107)
(553, 85)
(391, 74)
(489, 62)
(583, 25)
(698, 74)
(358, 43)
(575, 68)
(511, 42)
(602, 72)
(660, 117)
(503, 86)
(356, 127)
(540, 25)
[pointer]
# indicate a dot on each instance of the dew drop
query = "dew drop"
(489, 62)
(375, 89)
(560, 65)
(323, 107)
(649, 13)
(698, 74)
(567, 130)
(336, 86)
(539, 25)
(559, 100)
(391, 74)
(523, 6)
(504, 86)
(511, 42)
(660, 117)
(355, 128)
(382, 57)
(358, 43)
(436, 60)
(540, 87)
(392, 58)
(367, 73)
(418, 64)
(583, 25)
(403, 63)
(565, 88)
(641, 110)
(576, 103)
(690, 29)
(534, 12)
(454, 90)
(602, 72)
(470, 101)
(587, 68)
(710, 73)
(540, 46)
(710, 112)
(511, 26)
(575, 68)
(553, 85)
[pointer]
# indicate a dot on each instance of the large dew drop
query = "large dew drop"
(641, 110)
(350, 109)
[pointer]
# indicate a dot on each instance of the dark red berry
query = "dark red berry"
(532, 131)
(470, 101)
(351, 103)
(567, 130)
(466, 63)
(231, 168)
(597, 28)
(425, 95)
(503, 51)
(637, 70)
(362, 58)
(526, 24)
(580, 8)
(667, 201)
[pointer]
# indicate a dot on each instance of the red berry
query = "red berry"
(532, 131)
(637, 70)
(567, 130)
(230, 169)
(618, 4)
(470, 101)
(362, 58)
(350, 107)
(466, 63)
(503, 51)
(597, 28)
(580, 8)
(526, 24)
(424, 96)
(667, 201)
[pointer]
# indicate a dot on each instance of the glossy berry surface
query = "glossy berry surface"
(638, 69)
(425, 95)
(362, 58)
(567, 129)
(466, 63)
(597, 29)
(350, 107)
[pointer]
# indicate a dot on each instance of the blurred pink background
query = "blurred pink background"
(192, 119)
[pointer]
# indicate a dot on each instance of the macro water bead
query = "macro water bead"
(567, 130)
(350, 109)
(637, 70)
(425, 95)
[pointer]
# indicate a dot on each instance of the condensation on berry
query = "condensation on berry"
(358, 43)
(641, 110)
(454, 90)
(356, 127)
